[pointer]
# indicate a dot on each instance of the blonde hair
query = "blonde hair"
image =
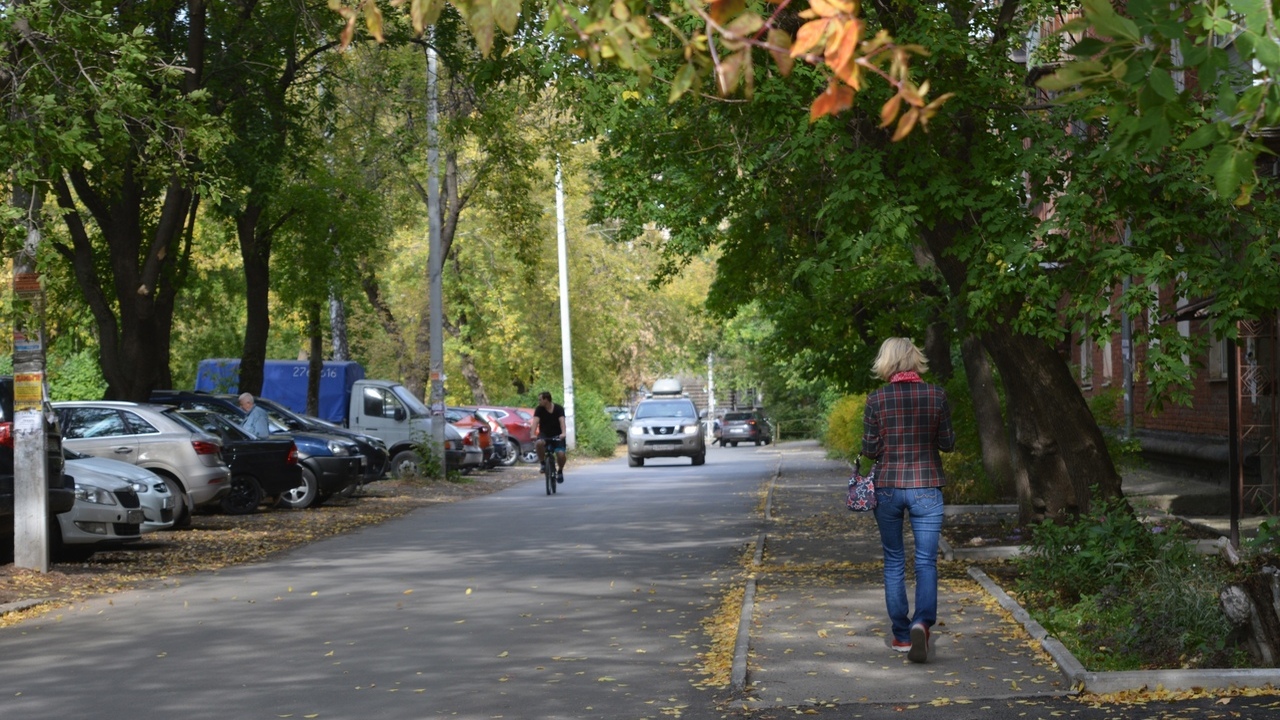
(897, 355)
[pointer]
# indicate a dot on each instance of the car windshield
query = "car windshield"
(416, 408)
(665, 408)
(283, 417)
(215, 424)
(737, 417)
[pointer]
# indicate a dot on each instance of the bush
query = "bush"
(593, 428)
(76, 377)
(843, 437)
(1122, 595)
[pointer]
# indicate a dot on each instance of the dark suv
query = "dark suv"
(61, 489)
(745, 426)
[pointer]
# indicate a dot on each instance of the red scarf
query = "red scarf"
(908, 376)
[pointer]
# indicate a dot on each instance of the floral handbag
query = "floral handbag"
(862, 489)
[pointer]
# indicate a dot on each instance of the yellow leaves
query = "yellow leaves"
(468, 591)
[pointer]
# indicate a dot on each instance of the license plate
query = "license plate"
(134, 517)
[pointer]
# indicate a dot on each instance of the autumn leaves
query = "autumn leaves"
(712, 41)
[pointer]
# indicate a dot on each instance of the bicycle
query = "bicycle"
(549, 472)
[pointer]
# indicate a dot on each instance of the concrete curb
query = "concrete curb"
(1111, 682)
(742, 643)
(21, 605)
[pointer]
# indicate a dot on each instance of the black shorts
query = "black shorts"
(553, 444)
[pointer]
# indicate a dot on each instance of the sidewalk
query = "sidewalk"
(819, 631)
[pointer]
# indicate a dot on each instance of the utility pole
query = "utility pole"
(566, 350)
(435, 262)
(711, 393)
(30, 471)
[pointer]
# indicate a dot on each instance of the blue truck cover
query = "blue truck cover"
(285, 381)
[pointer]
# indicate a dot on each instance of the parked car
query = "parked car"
(329, 463)
(260, 467)
(517, 422)
(372, 449)
(149, 436)
(61, 491)
(507, 452)
(666, 424)
(156, 500)
(107, 514)
(620, 417)
(745, 426)
(492, 444)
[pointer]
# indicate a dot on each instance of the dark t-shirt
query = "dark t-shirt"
(549, 420)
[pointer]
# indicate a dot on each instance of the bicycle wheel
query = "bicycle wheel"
(549, 471)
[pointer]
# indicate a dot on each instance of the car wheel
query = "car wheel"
(244, 497)
(405, 465)
(529, 455)
(302, 496)
(634, 461)
(700, 459)
(734, 443)
(622, 437)
(513, 454)
(181, 503)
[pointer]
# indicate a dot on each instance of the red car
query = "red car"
(517, 421)
(467, 419)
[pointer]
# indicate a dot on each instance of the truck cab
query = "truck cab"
(387, 410)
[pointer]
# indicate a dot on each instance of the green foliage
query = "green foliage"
(1108, 410)
(593, 430)
(967, 481)
(1123, 595)
(428, 462)
(1081, 556)
(76, 376)
(6, 364)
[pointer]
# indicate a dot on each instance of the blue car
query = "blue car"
(330, 464)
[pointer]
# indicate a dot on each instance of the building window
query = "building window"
(1218, 349)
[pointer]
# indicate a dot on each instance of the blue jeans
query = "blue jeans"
(924, 507)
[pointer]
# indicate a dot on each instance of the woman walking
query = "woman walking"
(906, 424)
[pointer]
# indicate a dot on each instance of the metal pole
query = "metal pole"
(711, 393)
(566, 349)
(1234, 470)
(1126, 352)
(30, 471)
(435, 262)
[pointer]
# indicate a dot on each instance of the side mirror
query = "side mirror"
(400, 414)
(702, 415)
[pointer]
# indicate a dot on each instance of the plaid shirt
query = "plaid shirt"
(905, 426)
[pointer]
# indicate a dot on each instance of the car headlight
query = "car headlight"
(689, 429)
(635, 430)
(140, 488)
(95, 495)
(337, 448)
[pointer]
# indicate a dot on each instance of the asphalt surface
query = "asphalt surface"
(586, 604)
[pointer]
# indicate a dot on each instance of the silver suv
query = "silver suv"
(666, 424)
(148, 436)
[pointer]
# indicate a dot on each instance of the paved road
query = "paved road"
(517, 605)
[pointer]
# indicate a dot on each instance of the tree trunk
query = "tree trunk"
(391, 326)
(937, 349)
(315, 366)
(993, 436)
(338, 327)
(1058, 449)
(255, 253)
(133, 345)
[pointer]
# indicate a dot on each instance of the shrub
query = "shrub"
(1083, 555)
(1122, 595)
(76, 377)
(593, 429)
(843, 437)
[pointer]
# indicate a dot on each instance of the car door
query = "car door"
(382, 415)
(100, 432)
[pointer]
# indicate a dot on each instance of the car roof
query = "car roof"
(117, 404)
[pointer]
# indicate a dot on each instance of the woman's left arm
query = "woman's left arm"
(946, 433)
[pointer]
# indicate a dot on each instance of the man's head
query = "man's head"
(544, 399)
(246, 401)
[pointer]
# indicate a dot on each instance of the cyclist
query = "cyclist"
(549, 428)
